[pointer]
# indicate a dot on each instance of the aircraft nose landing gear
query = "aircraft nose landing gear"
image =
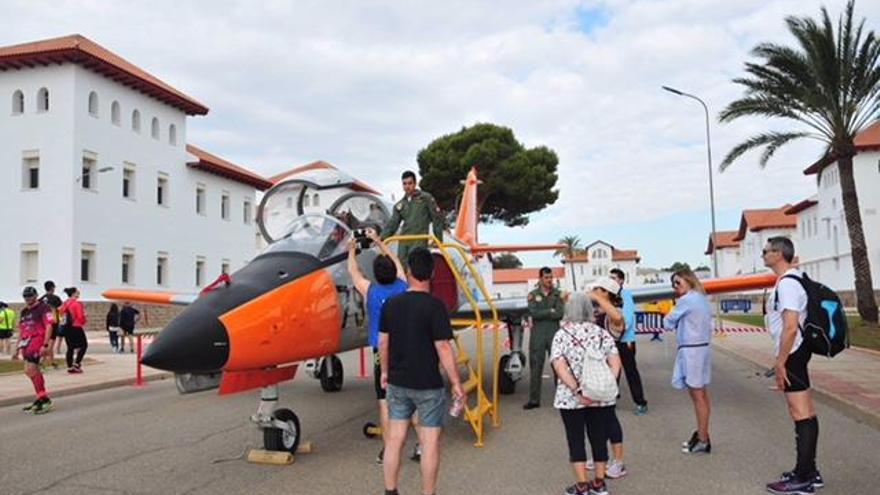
(512, 365)
(281, 430)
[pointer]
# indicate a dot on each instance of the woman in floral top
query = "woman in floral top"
(575, 336)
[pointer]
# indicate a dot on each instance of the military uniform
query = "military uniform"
(546, 311)
(416, 213)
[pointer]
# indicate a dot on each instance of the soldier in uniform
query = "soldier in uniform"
(546, 306)
(417, 210)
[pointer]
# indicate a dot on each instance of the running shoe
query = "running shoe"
(698, 448)
(615, 470)
(31, 407)
(381, 457)
(641, 410)
(417, 452)
(817, 480)
(598, 488)
(694, 439)
(577, 489)
(791, 487)
(43, 406)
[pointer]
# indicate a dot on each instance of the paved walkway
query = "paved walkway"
(849, 380)
(103, 369)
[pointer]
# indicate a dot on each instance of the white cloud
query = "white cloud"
(366, 85)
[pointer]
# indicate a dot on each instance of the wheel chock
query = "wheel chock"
(305, 447)
(258, 456)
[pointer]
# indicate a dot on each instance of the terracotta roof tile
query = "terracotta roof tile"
(320, 164)
(867, 140)
(772, 218)
(799, 207)
(725, 239)
(521, 275)
(80, 50)
(218, 166)
(625, 255)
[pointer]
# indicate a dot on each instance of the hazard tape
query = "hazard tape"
(719, 330)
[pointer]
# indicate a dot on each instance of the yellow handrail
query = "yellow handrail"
(476, 419)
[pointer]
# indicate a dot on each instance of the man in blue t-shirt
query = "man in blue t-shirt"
(390, 281)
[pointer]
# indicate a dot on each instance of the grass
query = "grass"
(860, 334)
(9, 366)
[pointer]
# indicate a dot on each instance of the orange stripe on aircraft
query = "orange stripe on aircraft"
(297, 321)
(738, 283)
(149, 297)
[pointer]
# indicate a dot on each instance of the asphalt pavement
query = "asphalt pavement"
(152, 440)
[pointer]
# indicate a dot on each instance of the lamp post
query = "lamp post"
(99, 171)
(711, 184)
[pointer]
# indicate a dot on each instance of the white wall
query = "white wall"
(752, 245)
(729, 263)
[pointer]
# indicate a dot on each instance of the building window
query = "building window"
(246, 214)
(224, 267)
(200, 271)
(136, 121)
(17, 103)
(289, 202)
(315, 200)
(128, 266)
(162, 269)
(172, 135)
(128, 182)
(200, 199)
(43, 100)
(30, 171)
(87, 263)
(93, 104)
(89, 175)
(305, 201)
(162, 191)
(154, 128)
(30, 263)
(115, 113)
(224, 206)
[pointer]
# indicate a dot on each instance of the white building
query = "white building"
(822, 240)
(755, 227)
(99, 188)
(729, 255)
(518, 282)
(597, 260)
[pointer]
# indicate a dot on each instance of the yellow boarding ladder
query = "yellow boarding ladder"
(474, 411)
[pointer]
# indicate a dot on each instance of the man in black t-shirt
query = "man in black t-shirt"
(128, 316)
(56, 331)
(414, 340)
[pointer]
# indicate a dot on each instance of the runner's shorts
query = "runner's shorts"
(31, 352)
(5, 334)
(796, 369)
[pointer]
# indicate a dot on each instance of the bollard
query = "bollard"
(363, 371)
(139, 379)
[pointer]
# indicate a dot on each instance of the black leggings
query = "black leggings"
(75, 338)
(597, 421)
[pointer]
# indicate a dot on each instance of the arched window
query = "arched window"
(306, 200)
(115, 113)
(43, 100)
(17, 103)
(154, 128)
(136, 121)
(315, 200)
(93, 104)
(172, 135)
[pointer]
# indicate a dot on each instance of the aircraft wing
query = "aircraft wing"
(150, 297)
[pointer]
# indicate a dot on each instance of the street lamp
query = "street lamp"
(86, 173)
(711, 184)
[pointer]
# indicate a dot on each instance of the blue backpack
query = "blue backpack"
(825, 329)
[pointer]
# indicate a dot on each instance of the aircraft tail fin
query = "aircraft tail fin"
(240, 381)
(468, 216)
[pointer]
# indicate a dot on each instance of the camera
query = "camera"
(360, 236)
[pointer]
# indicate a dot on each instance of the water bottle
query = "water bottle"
(457, 407)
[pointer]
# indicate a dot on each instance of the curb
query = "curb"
(92, 387)
(843, 405)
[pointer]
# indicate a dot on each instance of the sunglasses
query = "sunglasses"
(676, 283)
(765, 251)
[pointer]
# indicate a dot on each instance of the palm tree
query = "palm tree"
(829, 84)
(572, 248)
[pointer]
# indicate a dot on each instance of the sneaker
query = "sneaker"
(75, 370)
(598, 488)
(698, 448)
(791, 487)
(416, 453)
(531, 405)
(31, 406)
(694, 439)
(381, 457)
(578, 489)
(817, 480)
(43, 406)
(590, 465)
(641, 410)
(615, 470)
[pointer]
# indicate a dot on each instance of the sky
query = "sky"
(365, 85)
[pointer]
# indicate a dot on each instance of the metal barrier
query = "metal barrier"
(140, 335)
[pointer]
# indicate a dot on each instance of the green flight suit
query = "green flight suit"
(416, 213)
(546, 311)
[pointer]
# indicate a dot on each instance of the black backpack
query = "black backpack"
(825, 330)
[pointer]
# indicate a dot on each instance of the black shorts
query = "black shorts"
(56, 331)
(128, 331)
(377, 375)
(5, 334)
(796, 369)
(32, 358)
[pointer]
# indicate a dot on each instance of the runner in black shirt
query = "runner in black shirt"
(57, 331)
(414, 340)
(128, 316)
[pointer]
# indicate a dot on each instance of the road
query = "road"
(152, 440)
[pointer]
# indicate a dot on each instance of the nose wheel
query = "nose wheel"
(285, 435)
(331, 373)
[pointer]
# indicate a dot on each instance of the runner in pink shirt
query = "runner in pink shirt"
(35, 323)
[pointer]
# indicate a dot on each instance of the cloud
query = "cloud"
(366, 85)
